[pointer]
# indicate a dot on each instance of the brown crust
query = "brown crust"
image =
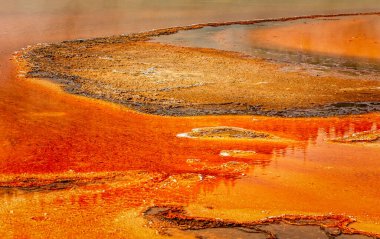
(164, 217)
(200, 82)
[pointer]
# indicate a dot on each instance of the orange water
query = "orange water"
(354, 37)
(307, 175)
(43, 130)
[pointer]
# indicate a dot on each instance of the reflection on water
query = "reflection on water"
(29, 22)
(304, 168)
(48, 134)
(134, 141)
(246, 39)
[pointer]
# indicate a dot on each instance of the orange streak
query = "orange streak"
(45, 131)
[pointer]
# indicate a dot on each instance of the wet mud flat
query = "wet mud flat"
(174, 222)
(331, 46)
(172, 80)
(154, 78)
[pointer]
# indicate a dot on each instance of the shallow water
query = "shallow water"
(246, 39)
(47, 133)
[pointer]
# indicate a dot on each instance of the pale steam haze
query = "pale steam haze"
(70, 19)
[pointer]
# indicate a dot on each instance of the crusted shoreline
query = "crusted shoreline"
(148, 85)
(169, 220)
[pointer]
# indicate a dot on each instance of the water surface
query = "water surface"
(47, 133)
(255, 39)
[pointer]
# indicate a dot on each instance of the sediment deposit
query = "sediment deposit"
(171, 80)
(103, 166)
